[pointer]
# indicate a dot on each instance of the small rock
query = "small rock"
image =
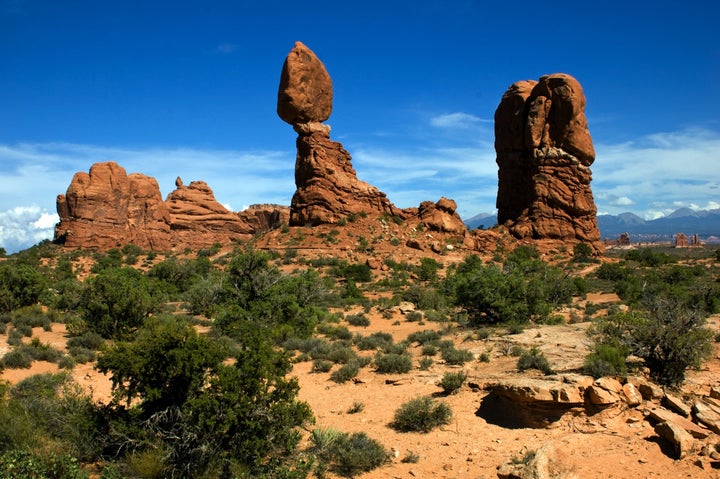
(676, 404)
(610, 384)
(632, 395)
(706, 415)
(600, 396)
(715, 392)
(678, 437)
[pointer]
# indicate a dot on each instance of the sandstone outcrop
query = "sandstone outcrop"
(198, 220)
(544, 152)
(107, 207)
(441, 216)
(328, 189)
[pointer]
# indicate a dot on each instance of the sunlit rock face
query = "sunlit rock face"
(328, 189)
(107, 207)
(544, 152)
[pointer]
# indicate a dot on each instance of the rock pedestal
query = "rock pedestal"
(328, 189)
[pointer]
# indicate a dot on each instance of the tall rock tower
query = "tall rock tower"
(544, 152)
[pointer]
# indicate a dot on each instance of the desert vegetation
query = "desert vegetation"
(199, 348)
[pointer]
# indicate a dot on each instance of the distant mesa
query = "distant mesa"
(544, 152)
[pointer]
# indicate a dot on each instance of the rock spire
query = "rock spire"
(544, 152)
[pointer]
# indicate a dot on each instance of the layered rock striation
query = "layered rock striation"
(328, 189)
(107, 208)
(544, 152)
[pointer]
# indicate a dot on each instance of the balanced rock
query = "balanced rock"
(305, 94)
(106, 208)
(544, 152)
(328, 189)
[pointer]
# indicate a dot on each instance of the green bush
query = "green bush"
(425, 363)
(17, 359)
(421, 414)
(425, 336)
(607, 359)
(16, 464)
(451, 381)
(456, 357)
(534, 359)
(374, 341)
(358, 319)
(392, 363)
(347, 455)
(322, 366)
(346, 372)
(669, 336)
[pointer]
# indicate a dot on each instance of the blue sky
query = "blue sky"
(189, 89)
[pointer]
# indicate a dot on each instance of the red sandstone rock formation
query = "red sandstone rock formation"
(305, 94)
(441, 216)
(328, 189)
(544, 152)
(108, 208)
(197, 219)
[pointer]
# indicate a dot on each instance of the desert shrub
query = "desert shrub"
(358, 319)
(484, 358)
(424, 297)
(423, 337)
(17, 359)
(82, 355)
(396, 348)
(429, 350)
(669, 336)
(346, 372)
(648, 257)
(322, 366)
(357, 453)
(425, 363)
(360, 272)
(607, 359)
(523, 289)
(452, 381)
(340, 354)
(20, 285)
(32, 316)
(421, 414)
(16, 464)
(374, 341)
(392, 363)
(427, 271)
(534, 359)
(455, 356)
(413, 316)
(88, 340)
(356, 408)
(348, 455)
(116, 302)
(582, 253)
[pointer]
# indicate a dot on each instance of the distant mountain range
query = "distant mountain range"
(704, 223)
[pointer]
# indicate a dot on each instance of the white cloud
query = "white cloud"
(24, 226)
(660, 172)
(457, 120)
